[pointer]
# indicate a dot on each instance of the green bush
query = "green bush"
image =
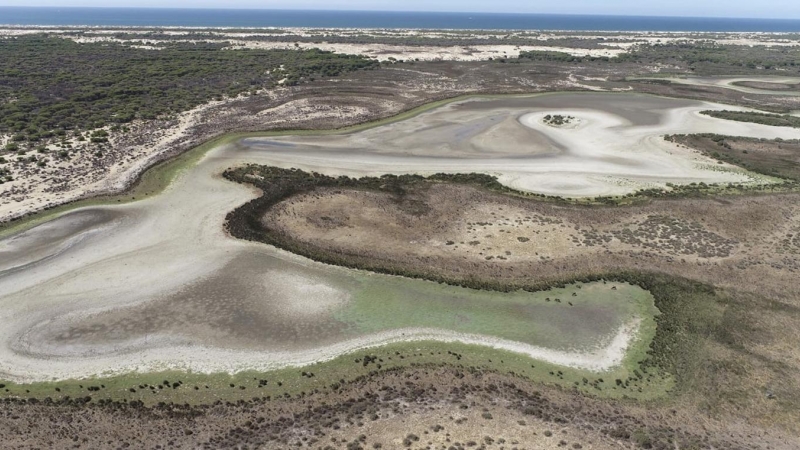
(57, 84)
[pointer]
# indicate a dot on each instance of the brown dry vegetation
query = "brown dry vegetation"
(743, 249)
(462, 231)
(417, 408)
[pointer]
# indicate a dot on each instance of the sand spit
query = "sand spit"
(174, 355)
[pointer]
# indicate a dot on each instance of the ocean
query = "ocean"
(162, 17)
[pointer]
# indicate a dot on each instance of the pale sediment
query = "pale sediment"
(171, 354)
(162, 245)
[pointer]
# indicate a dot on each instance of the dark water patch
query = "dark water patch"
(143, 17)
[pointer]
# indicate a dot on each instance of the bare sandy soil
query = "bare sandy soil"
(85, 175)
(387, 52)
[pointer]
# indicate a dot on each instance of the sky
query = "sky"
(787, 9)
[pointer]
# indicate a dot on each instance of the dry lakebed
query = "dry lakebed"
(158, 284)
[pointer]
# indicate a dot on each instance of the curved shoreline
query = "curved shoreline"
(171, 165)
(607, 355)
(138, 184)
(116, 269)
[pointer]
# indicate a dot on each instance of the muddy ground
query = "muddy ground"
(769, 86)
(613, 145)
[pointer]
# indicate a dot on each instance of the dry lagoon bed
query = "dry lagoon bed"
(157, 284)
(614, 146)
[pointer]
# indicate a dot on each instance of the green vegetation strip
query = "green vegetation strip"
(571, 318)
(51, 85)
(179, 387)
(692, 316)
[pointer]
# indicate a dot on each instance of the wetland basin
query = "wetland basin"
(157, 284)
(613, 147)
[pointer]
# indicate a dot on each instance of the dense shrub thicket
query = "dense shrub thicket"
(553, 56)
(711, 54)
(707, 58)
(48, 85)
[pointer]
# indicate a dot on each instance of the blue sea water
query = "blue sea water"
(162, 17)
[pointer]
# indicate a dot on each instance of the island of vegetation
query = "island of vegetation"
(558, 120)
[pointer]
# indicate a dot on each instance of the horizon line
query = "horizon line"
(403, 11)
